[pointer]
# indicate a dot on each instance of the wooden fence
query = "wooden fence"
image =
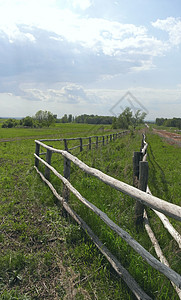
(138, 192)
(92, 140)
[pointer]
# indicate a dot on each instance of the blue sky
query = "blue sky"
(83, 56)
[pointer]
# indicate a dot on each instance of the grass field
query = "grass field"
(44, 255)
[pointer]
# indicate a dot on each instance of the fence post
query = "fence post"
(97, 142)
(89, 143)
(110, 137)
(66, 192)
(81, 148)
(48, 160)
(137, 157)
(103, 140)
(107, 139)
(142, 185)
(65, 144)
(37, 152)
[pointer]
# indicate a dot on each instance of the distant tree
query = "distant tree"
(64, 119)
(10, 123)
(70, 118)
(127, 119)
(138, 118)
(44, 118)
(27, 121)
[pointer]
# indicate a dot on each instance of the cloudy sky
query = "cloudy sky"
(90, 56)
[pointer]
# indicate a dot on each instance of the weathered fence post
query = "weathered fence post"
(107, 141)
(37, 152)
(142, 185)
(48, 160)
(81, 148)
(89, 143)
(96, 142)
(65, 144)
(103, 140)
(66, 192)
(137, 157)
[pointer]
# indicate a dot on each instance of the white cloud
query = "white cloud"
(172, 26)
(75, 99)
(69, 93)
(82, 4)
(98, 34)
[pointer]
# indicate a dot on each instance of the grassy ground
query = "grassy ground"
(44, 255)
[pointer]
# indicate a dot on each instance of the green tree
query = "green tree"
(27, 121)
(44, 118)
(138, 118)
(125, 119)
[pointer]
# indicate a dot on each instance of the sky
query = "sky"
(90, 56)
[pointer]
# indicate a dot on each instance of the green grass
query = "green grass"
(58, 131)
(44, 255)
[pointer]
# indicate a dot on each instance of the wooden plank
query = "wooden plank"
(171, 274)
(37, 151)
(121, 271)
(143, 151)
(48, 160)
(156, 203)
(67, 169)
(142, 185)
(166, 223)
(157, 248)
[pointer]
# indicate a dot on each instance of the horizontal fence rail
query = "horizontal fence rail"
(156, 203)
(139, 192)
(102, 139)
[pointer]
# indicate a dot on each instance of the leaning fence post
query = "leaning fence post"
(37, 152)
(48, 160)
(142, 185)
(81, 148)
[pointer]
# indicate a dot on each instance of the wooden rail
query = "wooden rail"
(140, 211)
(156, 203)
(138, 192)
(92, 140)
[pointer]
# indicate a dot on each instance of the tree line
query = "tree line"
(88, 119)
(46, 118)
(41, 119)
(174, 122)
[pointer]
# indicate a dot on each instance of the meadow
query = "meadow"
(47, 256)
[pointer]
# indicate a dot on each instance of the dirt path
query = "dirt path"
(171, 137)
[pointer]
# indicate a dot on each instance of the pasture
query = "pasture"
(47, 256)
